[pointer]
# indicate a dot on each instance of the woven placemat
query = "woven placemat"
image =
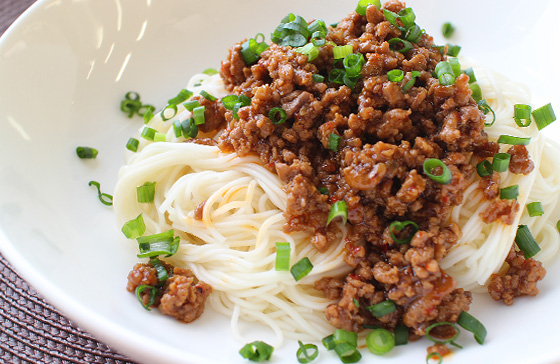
(31, 330)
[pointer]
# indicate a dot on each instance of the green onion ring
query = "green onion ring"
(431, 164)
(437, 341)
(400, 225)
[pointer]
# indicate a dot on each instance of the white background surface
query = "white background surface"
(64, 67)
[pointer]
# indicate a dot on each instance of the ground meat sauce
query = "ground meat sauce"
(385, 137)
(181, 296)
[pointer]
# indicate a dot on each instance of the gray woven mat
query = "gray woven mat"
(31, 330)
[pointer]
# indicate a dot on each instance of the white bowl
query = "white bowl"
(64, 67)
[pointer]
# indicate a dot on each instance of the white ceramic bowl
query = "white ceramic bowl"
(64, 67)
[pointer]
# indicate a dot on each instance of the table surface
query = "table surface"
(31, 330)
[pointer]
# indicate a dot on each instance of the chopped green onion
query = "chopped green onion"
(190, 105)
(347, 353)
(306, 352)
(392, 18)
(414, 33)
(318, 78)
(162, 274)
(105, 198)
(344, 336)
(334, 141)
(406, 45)
(282, 256)
(485, 108)
(526, 242)
(328, 342)
(407, 17)
(336, 75)
(453, 50)
(257, 351)
(432, 355)
(353, 64)
(146, 192)
(340, 52)
(535, 209)
(470, 72)
(292, 31)
(356, 302)
(363, 4)
(251, 50)
(513, 140)
(164, 115)
(338, 209)
(500, 162)
(447, 30)
(444, 73)
(134, 228)
(401, 335)
(148, 133)
(189, 128)
(132, 144)
(323, 190)
(430, 166)
(183, 95)
(455, 66)
(160, 137)
(198, 115)
(148, 114)
(544, 115)
(301, 268)
(210, 71)
(522, 115)
(446, 79)
(153, 293)
(158, 244)
(383, 308)
(131, 103)
(484, 168)
(413, 76)
(207, 96)
(177, 130)
(399, 226)
(310, 50)
(444, 341)
(470, 323)
(395, 75)
(86, 152)
(277, 115)
(509, 193)
(380, 341)
(317, 26)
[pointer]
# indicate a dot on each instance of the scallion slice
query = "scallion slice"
(183, 95)
(132, 144)
(210, 71)
(476, 91)
(513, 140)
(470, 72)
(509, 193)
(165, 115)
(363, 4)
(383, 308)
(306, 353)
(535, 209)
(257, 351)
(431, 165)
(148, 133)
(153, 293)
(134, 228)
(522, 115)
(543, 116)
(328, 342)
(338, 209)
(453, 50)
(500, 162)
(447, 29)
(310, 50)
(334, 141)
(347, 353)
(485, 108)
(395, 75)
(432, 355)
(189, 128)
(401, 335)
(162, 274)
(146, 192)
(158, 244)
(190, 105)
(86, 152)
(344, 336)
(105, 198)
(277, 115)
(160, 137)
(526, 242)
(455, 66)
(395, 43)
(470, 323)
(353, 64)
(198, 115)
(148, 114)
(484, 168)
(397, 226)
(380, 341)
(282, 256)
(207, 96)
(339, 52)
(131, 103)
(407, 17)
(318, 78)
(413, 76)
(301, 268)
